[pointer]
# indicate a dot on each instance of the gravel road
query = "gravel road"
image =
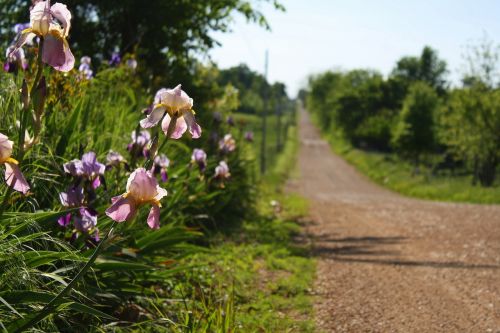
(387, 263)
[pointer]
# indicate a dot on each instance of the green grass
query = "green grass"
(253, 123)
(260, 268)
(390, 171)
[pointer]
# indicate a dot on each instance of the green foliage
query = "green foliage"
(254, 90)
(351, 102)
(427, 68)
(470, 125)
(397, 174)
(165, 36)
(414, 131)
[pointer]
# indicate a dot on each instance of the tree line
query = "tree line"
(416, 113)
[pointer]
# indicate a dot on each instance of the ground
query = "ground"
(387, 263)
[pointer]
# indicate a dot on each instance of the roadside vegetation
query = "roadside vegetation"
(121, 208)
(412, 131)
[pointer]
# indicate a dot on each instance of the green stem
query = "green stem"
(39, 67)
(5, 201)
(171, 127)
(47, 309)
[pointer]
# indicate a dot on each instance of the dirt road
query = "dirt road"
(392, 264)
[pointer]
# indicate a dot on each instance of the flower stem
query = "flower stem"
(170, 130)
(47, 309)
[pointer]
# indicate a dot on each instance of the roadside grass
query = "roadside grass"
(260, 270)
(251, 122)
(396, 174)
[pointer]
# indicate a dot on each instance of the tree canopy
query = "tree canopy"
(165, 35)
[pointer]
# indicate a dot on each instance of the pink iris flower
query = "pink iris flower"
(173, 103)
(142, 189)
(227, 144)
(161, 163)
(13, 175)
(52, 23)
(222, 171)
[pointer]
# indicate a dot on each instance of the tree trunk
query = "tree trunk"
(487, 171)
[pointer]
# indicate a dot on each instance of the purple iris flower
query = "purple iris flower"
(85, 69)
(74, 197)
(19, 27)
(115, 59)
(16, 60)
(249, 136)
(65, 220)
(139, 143)
(161, 163)
(199, 157)
(230, 121)
(86, 221)
(88, 168)
(114, 159)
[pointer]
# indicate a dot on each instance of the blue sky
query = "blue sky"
(316, 35)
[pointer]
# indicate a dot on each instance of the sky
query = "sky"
(316, 35)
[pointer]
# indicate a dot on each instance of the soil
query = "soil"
(387, 263)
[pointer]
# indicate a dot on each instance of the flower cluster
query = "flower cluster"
(172, 109)
(87, 169)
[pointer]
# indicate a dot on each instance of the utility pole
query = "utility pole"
(264, 120)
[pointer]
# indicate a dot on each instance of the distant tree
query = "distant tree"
(481, 64)
(165, 35)
(253, 89)
(321, 99)
(427, 68)
(414, 132)
(470, 126)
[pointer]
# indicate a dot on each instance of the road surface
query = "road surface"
(387, 263)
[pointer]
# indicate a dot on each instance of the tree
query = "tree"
(166, 36)
(470, 126)
(427, 68)
(414, 133)
(481, 64)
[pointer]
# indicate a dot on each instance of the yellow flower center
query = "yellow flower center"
(141, 201)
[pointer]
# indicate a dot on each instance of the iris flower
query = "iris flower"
(16, 60)
(161, 163)
(199, 157)
(142, 189)
(249, 136)
(114, 159)
(85, 69)
(13, 175)
(74, 197)
(227, 144)
(173, 103)
(222, 171)
(52, 23)
(88, 168)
